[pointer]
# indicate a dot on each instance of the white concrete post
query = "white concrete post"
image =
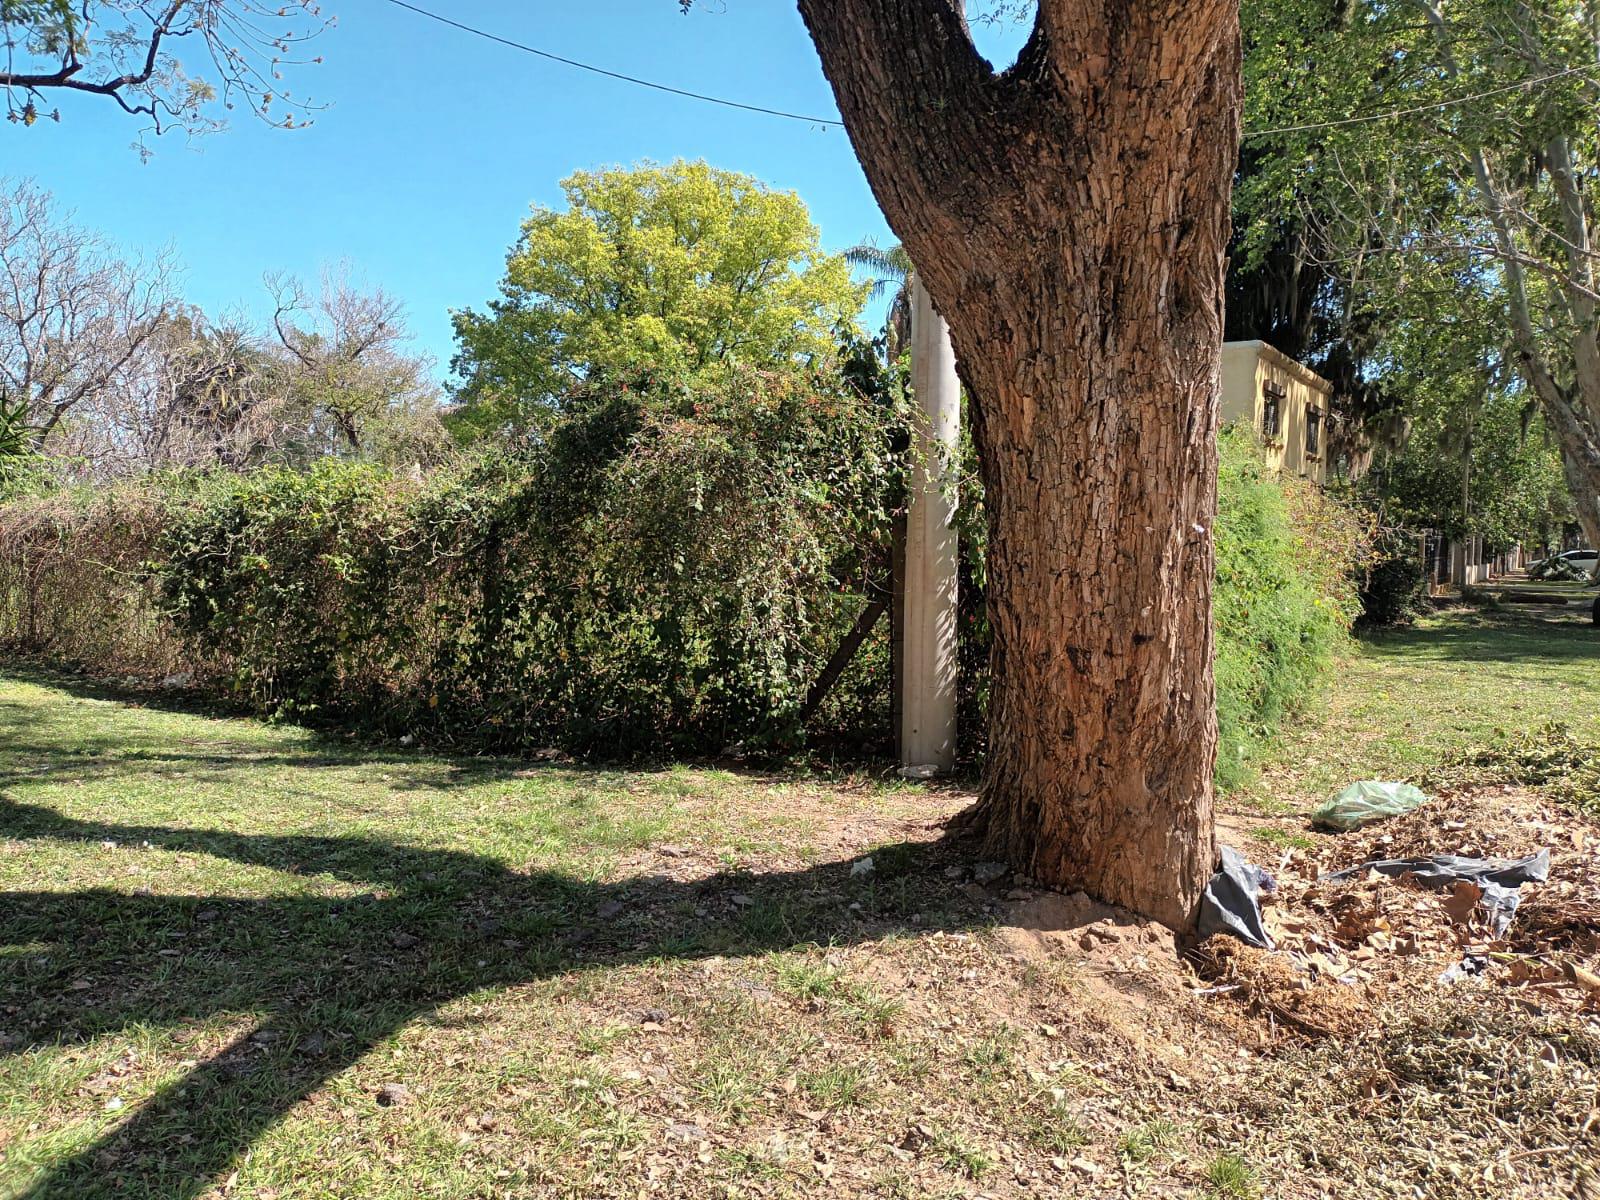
(928, 677)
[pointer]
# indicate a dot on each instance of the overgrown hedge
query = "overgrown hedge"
(662, 572)
(1288, 558)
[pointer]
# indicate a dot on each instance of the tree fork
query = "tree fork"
(1069, 217)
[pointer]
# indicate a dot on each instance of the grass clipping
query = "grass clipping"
(1448, 1096)
(1549, 757)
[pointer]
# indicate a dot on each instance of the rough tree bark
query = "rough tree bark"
(1069, 217)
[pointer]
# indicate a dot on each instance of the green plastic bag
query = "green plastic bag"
(1364, 802)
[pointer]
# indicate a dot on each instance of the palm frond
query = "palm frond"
(889, 264)
(16, 436)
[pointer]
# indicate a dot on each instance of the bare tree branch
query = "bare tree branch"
(49, 47)
(73, 313)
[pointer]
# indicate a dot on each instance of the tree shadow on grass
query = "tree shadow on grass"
(432, 768)
(1512, 636)
(330, 978)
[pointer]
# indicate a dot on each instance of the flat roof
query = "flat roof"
(1279, 359)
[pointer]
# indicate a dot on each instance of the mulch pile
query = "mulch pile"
(1406, 1049)
(1344, 946)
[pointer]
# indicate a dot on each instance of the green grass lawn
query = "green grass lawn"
(239, 959)
(1413, 698)
(219, 940)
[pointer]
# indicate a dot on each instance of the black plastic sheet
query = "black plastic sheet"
(1500, 878)
(1232, 901)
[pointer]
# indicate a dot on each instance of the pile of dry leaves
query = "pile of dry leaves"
(1377, 935)
(1408, 1049)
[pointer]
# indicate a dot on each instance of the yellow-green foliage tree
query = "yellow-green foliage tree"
(681, 269)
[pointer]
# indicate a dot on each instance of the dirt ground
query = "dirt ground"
(1342, 1064)
(1343, 1057)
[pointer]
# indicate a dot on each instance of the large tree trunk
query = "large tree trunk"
(1580, 456)
(1069, 217)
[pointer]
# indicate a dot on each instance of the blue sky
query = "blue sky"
(435, 143)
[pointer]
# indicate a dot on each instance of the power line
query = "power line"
(1249, 135)
(1422, 108)
(583, 66)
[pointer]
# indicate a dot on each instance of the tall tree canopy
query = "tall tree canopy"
(678, 269)
(1069, 217)
(1436, 158)
(1474, 465)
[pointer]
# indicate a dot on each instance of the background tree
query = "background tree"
(1474, 185)
(214, 393)
(682, 269)
(1288, 288)
(1069, 217)
(199, 394)
(113, 375)
(888, 267)
(124, 51)
(74, 314)
(1465, 449)
(345, 366)
(1473, 469)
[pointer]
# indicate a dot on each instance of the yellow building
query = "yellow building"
(1287, 404)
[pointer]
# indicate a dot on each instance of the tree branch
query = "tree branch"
(113, 87)
(909, 80)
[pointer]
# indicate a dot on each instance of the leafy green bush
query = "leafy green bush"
(284, 580)
(1394, 588)
(1285, 597)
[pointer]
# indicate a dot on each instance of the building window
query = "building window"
(1271, 412)
(1313, 432)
